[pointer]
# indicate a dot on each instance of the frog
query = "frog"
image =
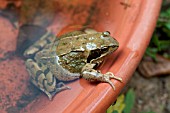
(52, 61)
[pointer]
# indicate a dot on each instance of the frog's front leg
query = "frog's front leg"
(93, 75)
(44, 79)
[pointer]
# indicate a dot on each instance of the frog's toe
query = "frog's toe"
(112, 76)
(108, 76)
(62, 85)
(110, 82)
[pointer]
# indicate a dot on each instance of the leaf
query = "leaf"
(166, 31)
(148, 112)
(168, 25)
(164, 44)
(110, 109)
(156, 41)
(115, 111)
(118, 107)
(129, 101)
(151, 52)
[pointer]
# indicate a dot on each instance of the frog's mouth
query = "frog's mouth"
(100, 53)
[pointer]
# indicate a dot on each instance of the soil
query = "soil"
(151, 94)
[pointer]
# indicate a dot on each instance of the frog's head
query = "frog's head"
(102, 45)
(109, 44)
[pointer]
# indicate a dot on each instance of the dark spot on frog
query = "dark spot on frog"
(46, 71)
(39, 64)
(73, 48)
(93, 55)
(32, 66)
(90, 70)
(64, 43)
(86, 38)
(77, 38)
(38, 73)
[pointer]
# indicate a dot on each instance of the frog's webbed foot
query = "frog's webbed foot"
(61, 84)
(60, 87)
(94, 75)
(113, 76)
(109, 75)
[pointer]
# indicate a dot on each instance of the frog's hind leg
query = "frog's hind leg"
(46, 39)
(44, 79)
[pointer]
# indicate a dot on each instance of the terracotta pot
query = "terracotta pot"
(131, 22)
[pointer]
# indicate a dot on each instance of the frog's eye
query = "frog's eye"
(106, 33)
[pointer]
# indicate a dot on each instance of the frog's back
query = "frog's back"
(68, 63)
(78, 43)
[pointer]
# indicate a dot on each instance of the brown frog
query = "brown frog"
(69, 57)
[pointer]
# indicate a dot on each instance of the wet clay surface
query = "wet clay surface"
(15, 86)
(19, 95)
(14, 81)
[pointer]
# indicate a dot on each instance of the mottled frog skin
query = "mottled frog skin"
(69, 57)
